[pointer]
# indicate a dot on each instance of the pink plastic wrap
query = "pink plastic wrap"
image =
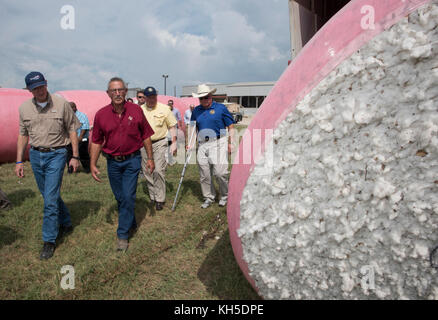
(10, 100)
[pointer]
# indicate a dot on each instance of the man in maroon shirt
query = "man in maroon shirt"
(120, 131)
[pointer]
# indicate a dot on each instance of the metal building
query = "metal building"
(247, 94)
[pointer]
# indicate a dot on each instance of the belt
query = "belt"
(41, 149)
(121, 158)
(158, 140)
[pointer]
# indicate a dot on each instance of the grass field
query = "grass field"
(185, 254)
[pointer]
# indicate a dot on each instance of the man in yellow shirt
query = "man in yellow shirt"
(162, 120)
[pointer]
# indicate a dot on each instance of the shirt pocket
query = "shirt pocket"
(132, 128)
(27, 124)
(54, 123)
(159, 119)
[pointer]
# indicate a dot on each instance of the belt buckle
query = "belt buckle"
(119, 158)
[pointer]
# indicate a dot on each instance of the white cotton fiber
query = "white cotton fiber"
(350, 208)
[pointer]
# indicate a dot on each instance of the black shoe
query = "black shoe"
(159, 205)
(47, 251)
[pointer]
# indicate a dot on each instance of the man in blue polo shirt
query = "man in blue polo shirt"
(212, 121)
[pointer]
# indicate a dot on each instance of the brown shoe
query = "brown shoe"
(122, 245)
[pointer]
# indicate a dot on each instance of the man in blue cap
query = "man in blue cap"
(48, 124)
(162, 120)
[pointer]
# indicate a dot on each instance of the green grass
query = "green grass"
(185, 254)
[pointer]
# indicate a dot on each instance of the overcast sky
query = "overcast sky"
(193, 41)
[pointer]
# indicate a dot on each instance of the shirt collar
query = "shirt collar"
(212, 106)
(150, 108)
(49, 101)
(114, 110)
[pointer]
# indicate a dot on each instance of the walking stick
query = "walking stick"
(185, 165)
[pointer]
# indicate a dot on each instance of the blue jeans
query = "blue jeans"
(48, 169)
(123, 177)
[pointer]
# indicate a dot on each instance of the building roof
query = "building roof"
(236, 89)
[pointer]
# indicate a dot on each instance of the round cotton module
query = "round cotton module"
(10, 100)
(340, 197)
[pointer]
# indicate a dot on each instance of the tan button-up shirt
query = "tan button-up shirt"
(50, 126)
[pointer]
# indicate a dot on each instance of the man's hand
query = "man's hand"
(94, 156)
(232, 144)
(74, 163)
(173, 148)
(95, 173)
(150, 165)
(148, 148)
(19, 170)
(21, 146)
(230, 147)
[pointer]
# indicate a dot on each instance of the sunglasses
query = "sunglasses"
(205, 98)
(141, 97)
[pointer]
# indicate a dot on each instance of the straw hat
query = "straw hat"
(203, 90)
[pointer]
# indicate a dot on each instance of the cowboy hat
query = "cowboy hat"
(203, 90)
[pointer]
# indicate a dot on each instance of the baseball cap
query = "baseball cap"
(35, 79)
(150, 91)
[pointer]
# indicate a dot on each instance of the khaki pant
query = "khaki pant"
(213, 159)
(156, 181)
